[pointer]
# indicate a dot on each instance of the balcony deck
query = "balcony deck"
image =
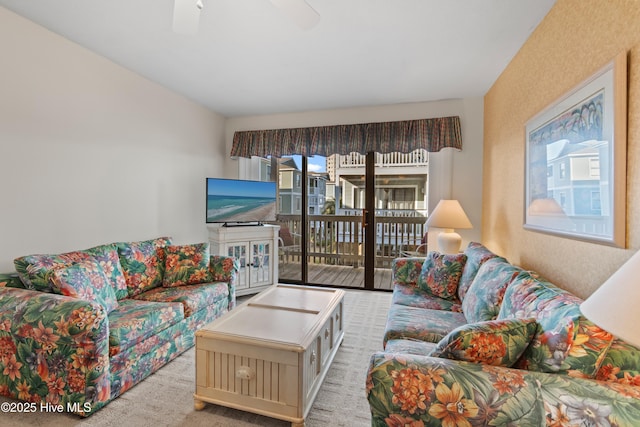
(337, 275)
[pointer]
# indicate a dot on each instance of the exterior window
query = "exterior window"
(563, 170)
(549, 171)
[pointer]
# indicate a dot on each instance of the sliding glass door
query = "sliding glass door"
(345, 218)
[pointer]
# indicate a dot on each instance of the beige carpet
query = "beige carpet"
(166, 397)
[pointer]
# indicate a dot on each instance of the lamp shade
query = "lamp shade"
(448, 214)
(614, 305)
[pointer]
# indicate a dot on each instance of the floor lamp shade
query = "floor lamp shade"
(614, 305)
(449, 215)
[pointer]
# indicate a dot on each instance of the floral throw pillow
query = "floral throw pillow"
(441, 274)
(186, 265)
(494, 342)
(143, 264)
(85, 280)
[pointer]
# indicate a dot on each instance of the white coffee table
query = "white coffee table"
(270, 355)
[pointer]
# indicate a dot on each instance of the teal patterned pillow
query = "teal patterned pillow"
(476, 254)
(483, 300)
(441, 274)
(494, 342)
(34, 270)
(143, 264)
(186, 265)
(85, 280)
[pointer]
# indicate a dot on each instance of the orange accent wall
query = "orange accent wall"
(574, 40)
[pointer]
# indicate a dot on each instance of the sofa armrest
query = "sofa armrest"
(54, 349)
(403, 389)
(225, 269)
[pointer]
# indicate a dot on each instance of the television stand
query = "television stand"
(255, 249)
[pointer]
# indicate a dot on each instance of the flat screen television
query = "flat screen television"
(240, 202)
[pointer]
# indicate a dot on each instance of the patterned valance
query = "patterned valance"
(402, 136)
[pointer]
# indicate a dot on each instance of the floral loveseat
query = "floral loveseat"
(90, 324)
(472, 340)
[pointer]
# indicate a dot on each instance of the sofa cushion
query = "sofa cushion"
(484, 297)
(143, 264)
(476, 254)
(193, 297)
(34, 270)
(85, 280)
(134, 321)
(565, 342)
(494, 342)
(415, 297)
(621, 364)
(186, 265)
(420, 323)
(441, 274)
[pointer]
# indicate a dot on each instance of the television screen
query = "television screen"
(240, 201)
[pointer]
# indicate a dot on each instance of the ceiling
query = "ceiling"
(248, 58)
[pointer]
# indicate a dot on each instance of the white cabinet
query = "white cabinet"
(255, 248)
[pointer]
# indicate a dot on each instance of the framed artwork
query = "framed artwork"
(575, 161)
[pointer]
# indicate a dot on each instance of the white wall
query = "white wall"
(92, 153)
(454, 174)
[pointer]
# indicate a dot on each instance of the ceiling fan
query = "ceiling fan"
(186, 14)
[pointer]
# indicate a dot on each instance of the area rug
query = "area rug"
(166, 397)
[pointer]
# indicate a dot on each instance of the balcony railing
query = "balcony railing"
(339, 239)
(415, 158)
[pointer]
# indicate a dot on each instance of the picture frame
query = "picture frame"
(575, 161)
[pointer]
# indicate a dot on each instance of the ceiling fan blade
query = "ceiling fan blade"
(299, 11)
(186, 14)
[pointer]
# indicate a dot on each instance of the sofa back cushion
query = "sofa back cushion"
(484, 297)
(476, 254)
(621, 364)
(86, 280)
(441, 274)
(565, 342)
(35, 270)
(143, 264)
(186, 265)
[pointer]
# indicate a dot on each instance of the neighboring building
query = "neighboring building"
(289, 187)
(401, 183)
(317, 192)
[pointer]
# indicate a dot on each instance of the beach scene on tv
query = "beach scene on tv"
(230, 200)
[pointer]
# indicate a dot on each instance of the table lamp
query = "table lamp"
(614, 305)
(449, 215)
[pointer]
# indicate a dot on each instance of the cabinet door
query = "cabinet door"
(261, 273)
(239, 252)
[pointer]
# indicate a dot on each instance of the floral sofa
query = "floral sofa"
(472, 340)
(79, 329)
